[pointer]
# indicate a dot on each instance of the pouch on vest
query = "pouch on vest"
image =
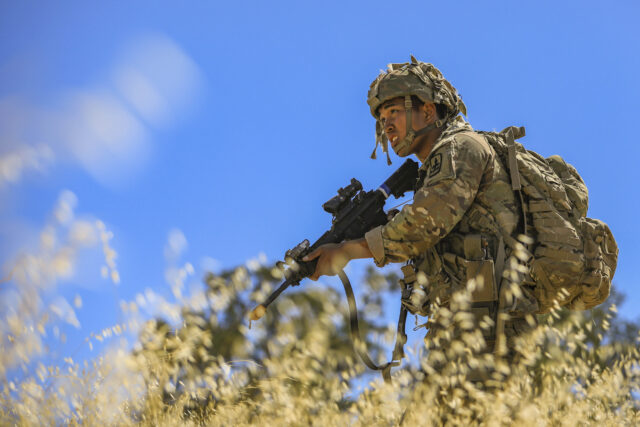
(414, 296)
(467, 257)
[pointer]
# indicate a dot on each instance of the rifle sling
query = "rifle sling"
(359, 343)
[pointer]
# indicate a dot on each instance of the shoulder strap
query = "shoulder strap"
(510, 135)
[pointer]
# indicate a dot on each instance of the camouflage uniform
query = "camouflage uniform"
(451, 231)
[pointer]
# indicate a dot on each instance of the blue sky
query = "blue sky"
(233, 122)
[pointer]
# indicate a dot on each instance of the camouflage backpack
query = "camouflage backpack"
(574, 257)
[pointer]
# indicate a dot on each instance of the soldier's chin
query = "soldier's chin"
(401, 152)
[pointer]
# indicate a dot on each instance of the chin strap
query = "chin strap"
(411, 134)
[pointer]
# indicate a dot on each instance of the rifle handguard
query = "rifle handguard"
(354, 213)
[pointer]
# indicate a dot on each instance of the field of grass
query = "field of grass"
(199, 363)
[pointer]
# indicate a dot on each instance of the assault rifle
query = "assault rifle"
(354, 213)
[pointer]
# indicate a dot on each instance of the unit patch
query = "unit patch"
(435, 165)
(440, 166)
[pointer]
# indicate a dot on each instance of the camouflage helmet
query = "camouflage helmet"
(414, 78)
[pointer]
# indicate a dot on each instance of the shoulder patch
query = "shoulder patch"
(440, 166)
(435, 165)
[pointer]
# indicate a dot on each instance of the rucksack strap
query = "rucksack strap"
(513, 161)
(510, 135)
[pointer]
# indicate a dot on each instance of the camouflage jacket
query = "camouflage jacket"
(464, 190)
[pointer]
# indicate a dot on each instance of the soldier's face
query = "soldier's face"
(393, 117)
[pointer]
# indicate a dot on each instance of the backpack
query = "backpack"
(574, 257)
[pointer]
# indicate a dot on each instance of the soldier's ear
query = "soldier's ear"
(429, 111)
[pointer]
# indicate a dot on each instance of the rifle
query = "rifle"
(354, 213)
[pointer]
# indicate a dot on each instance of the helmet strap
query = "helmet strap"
(408, 112)
(410, 133)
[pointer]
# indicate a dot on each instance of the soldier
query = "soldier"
(462, 205)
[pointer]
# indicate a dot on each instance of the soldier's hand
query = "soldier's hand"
(332, 258)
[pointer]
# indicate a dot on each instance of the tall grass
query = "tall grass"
(199, 363)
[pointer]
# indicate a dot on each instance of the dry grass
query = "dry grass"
(204, 366)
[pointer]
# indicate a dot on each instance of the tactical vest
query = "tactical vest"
(474, 249)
